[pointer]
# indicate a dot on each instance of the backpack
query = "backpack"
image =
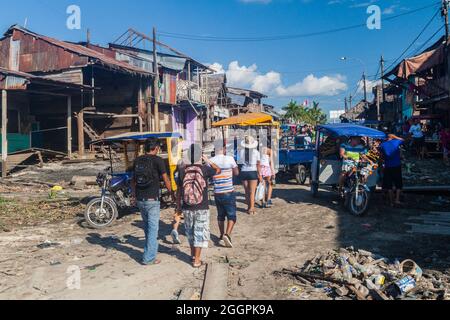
(194, 184)
(143, 172)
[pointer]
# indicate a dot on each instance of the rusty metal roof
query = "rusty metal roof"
(19, 80)
(95, 56)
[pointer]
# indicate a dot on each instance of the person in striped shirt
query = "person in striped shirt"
(224, 194)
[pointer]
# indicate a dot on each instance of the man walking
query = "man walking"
(416, 131)
(224, 193)
(390, 150)
(193, 202)
(148, 171)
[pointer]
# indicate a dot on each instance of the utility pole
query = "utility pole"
(350, 100)
(365, 87)
(155, 83)
(346, 106)
(444, 13)
(382, 77)
(88, 36)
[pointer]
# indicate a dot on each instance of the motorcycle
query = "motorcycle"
(116, 194)
(356, 192)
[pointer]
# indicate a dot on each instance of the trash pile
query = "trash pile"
(426, 172)
(358, 274)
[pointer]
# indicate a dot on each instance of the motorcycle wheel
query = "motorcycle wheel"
(97, 218)
(358, 205)
(301, 175)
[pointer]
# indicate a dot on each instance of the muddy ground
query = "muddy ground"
(37, 258)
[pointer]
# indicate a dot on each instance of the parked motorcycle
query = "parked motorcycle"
(356, 193)
(116, 193)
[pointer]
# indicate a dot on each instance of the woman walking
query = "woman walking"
(251, 171)
(268, 175)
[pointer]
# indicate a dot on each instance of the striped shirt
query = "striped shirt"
(223, 182)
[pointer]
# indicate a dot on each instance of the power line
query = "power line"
(282, 37)
(428, 41)
(414, 41)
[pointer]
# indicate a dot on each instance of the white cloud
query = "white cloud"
(217, 67)
(369, 84)
(390, 10)
(271, 83)
(313, 86)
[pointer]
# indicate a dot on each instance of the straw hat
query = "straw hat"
(249, 142)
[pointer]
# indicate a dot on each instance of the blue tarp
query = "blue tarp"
(141, 136)
(352, 130)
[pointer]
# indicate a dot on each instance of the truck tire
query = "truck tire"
(301, 175)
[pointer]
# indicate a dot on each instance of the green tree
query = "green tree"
(298, 113)
(294, 112)
(315, 115)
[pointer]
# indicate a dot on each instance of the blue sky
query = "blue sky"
(301, 68)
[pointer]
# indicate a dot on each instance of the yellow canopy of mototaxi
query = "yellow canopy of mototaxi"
(247, 120)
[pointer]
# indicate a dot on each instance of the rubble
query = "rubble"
(426, 172)
(362, 275)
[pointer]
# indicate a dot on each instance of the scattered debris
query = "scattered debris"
(94, 267)
(362, 275)
(436, 223)
(48, 244)
(426, 172)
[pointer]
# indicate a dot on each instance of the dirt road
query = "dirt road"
(39, 262)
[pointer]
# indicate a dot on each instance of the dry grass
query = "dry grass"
(14, 213)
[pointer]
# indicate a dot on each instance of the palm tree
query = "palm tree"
(316, 116)
(293, 111)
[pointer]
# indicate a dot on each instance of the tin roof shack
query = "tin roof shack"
(388, 102)
(244, 101)
(185, 95)
(424, 81)
(115, 101)
(23, 98)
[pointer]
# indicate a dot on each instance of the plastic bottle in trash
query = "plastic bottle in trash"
(347, 272)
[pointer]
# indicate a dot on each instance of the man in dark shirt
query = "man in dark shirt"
(148, 171)
(392, 177)
(193, 202)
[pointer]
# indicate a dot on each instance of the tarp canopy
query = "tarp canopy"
(352, 130)
(139, 136)
(248, 119)
(432, 57)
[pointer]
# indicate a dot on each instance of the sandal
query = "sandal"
(153, 263)
(198, 266)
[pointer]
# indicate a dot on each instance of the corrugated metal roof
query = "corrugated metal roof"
(83, 51)
(17, 79)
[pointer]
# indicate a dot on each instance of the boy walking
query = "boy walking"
(224, 194)
(193, 193)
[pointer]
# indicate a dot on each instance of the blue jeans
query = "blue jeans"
(226, 207)
(151, 214)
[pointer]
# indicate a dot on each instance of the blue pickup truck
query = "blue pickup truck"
(295, 157)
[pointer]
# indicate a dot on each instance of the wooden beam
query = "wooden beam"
(69, 127)
(4, 133)
(80, 126)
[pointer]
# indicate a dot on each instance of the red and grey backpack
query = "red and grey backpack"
(194, 184)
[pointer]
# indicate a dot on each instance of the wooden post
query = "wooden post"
(156, 82)
(69, 127)
(80, 125)
(4, 133)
